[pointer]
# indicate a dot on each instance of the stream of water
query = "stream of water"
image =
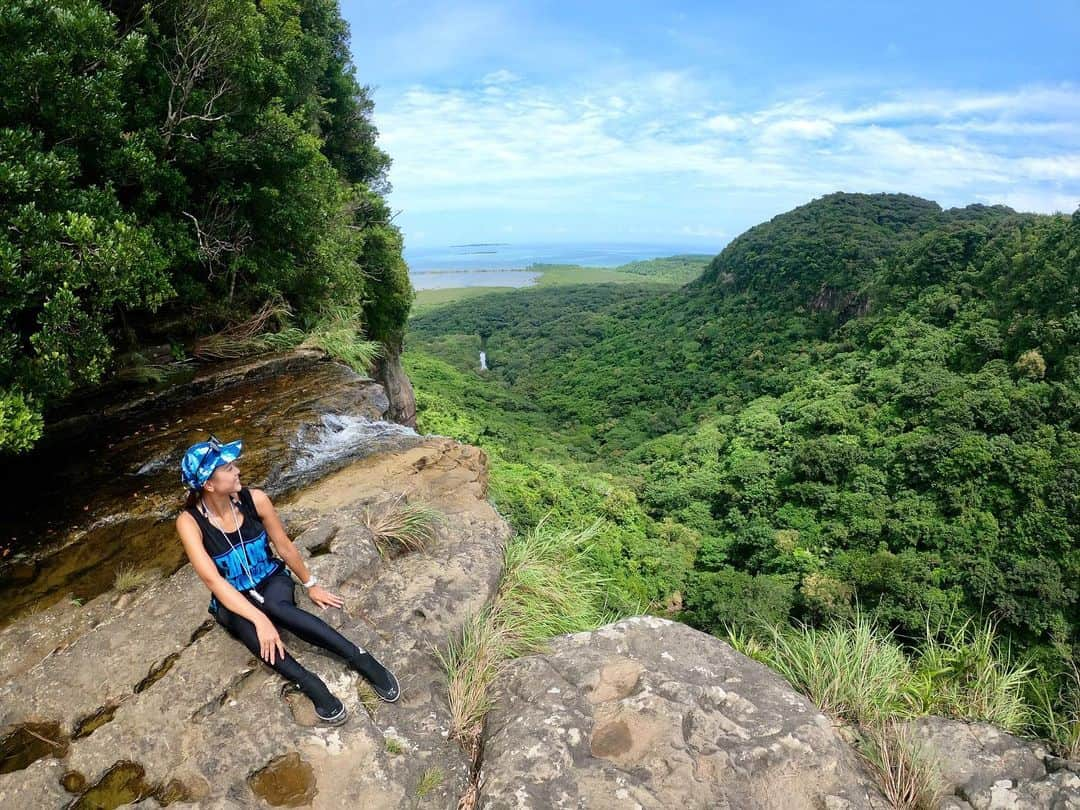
(102, 491)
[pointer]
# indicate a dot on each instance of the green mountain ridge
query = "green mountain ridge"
(835, 241)
(916, 455)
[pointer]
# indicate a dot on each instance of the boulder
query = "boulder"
(985, 768)
(648, 713)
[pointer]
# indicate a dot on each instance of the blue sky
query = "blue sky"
(686, 123)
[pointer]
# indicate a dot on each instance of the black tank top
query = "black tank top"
(244, 559)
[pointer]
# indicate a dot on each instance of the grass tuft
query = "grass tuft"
(431, 779)
(368, 699)
(471, 664)
(906, 771)
(410, 526)
(129, 579)
(394, 746)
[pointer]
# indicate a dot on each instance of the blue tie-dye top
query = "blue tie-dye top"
(250, 560)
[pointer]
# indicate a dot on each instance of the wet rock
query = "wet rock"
(649, 713)
(25, 743)
(286, 781)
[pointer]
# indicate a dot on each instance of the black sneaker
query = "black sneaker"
(382, 680)
(335, 718)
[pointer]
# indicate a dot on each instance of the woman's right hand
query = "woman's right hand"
(269, 640)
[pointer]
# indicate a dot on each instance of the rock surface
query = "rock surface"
(144, 694)
(985, 768)
(649, 713)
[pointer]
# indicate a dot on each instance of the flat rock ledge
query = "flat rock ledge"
(647, 714)
(149, 696)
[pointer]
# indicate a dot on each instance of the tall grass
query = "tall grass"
(856, 671)
(547, 588)
(852, 671)
(1056, 711)
(962, 671)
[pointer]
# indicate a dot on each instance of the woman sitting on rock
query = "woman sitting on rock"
(224, 528)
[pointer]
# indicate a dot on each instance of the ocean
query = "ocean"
(502, 264)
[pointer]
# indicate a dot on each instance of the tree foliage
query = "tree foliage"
(865, 402)
(168, 167)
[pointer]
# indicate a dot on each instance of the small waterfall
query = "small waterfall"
(335, 440)
(483, 361)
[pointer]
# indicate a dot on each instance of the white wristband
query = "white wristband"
(310, 582)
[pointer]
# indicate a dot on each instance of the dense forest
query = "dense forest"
(866, 404)
(167, 168)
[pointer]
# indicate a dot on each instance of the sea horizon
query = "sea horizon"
(501, 256)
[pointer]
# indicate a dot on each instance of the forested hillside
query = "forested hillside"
(866, 403)
(168, 167)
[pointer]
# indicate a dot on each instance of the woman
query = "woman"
(224, 528)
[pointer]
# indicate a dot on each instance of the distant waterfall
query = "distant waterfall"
(483, 361)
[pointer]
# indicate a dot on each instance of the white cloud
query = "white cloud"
(809, 129)
(724, 123)
(501, 76)
(595, 148)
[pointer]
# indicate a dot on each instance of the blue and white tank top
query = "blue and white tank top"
(250, 551)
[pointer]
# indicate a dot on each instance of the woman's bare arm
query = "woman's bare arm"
(288, 551)
(220, 587)
(285, 547)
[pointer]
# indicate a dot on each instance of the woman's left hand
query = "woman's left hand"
(323, 598)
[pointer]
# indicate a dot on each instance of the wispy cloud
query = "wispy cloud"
(662, 148)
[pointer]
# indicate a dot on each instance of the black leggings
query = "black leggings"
(281, 609)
